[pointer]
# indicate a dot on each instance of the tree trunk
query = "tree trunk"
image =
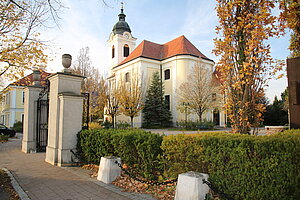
(131, 121)
(113, 120)
(200, 117)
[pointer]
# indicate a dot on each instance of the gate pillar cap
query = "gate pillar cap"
(69, 94)
(65, 74)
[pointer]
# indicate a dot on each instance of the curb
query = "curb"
(16, 186)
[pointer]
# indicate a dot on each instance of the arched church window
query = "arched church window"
(113, 51)
(127, 77)
(167, 74)
(167, 99)
(126, 50)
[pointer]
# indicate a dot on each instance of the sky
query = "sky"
(89, 23)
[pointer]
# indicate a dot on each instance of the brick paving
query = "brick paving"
(42, 181)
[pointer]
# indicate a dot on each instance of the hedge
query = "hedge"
(241, 166)
(182, 153)
(137, 148)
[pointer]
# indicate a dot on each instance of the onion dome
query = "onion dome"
(121, 26)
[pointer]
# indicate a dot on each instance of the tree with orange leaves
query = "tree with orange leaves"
(291, 17)
(20, 24)
(245, 63)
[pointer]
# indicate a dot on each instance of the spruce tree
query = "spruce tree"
(156, 113)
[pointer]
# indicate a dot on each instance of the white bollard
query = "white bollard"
(190, 186)
(108, 169)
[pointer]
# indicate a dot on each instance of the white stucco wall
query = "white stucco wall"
(180, 69)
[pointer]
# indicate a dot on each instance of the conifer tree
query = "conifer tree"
(156, 113)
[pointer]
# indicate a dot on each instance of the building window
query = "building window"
(22, 118)
(7, 99)
(167, 74)
(2, 119)
(127, 77)
(113, 51)
(214, 96)
(6, 121)
(167, 99)
(23, 97)
(126, 50)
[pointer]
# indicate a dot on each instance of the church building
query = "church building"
(174, 61)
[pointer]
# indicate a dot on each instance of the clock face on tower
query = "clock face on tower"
(126, 36)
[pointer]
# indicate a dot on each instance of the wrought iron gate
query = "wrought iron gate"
(42, 120)
(42, 125)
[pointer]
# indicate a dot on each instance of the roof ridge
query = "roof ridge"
(178, 46)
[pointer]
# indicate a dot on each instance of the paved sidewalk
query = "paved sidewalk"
(42, 181)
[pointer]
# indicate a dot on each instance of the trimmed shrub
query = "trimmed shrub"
(251, 167)
(4, 138)
(241, 166)
(18, 127)
(94, 125)
(123, 125)
(195, 125)
(137, 148)
(183, 153)
(93, 144)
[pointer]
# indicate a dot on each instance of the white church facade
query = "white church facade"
(174, 61)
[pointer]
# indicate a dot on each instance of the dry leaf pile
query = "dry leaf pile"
(162, 192)
(6, 188)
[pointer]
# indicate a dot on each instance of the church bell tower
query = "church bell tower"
(121, 42)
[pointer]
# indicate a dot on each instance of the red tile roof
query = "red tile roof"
(178, 46)
(28, 80)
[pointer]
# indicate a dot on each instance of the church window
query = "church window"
(23, 97)
(126, 50)
(127, 77)
(167, 74)
(113, 52)
(167, 99)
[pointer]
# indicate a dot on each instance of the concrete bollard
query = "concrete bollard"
(190, 186)
(108, 169)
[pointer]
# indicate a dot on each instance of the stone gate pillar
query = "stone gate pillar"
(65, 115)
(30, 115)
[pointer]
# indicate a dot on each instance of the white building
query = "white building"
(174, 60)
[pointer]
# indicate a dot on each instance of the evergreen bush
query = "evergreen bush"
(123, 125)
(241, 166)
(195, 125)
(18, 127)
(137, 148)
(251, 167)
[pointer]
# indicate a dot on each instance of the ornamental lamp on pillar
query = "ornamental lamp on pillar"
(66, 62)
(36, 77)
